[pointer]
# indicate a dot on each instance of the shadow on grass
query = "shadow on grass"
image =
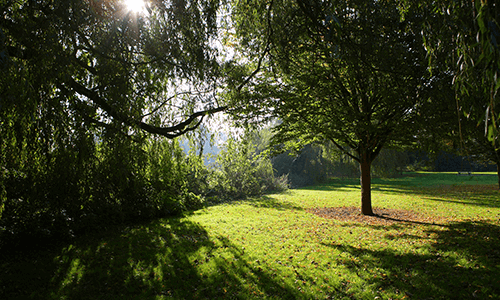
(170, 258)
(335, 185)
(464, 263)
(485, 195)
(261, 202)
(443, 187)
(491, 201)
(404, 181)
(270, 202)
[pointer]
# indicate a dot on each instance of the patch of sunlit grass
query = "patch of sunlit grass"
(273, 248)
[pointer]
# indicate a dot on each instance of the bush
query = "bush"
(314, 164)
(89, 183)
(240, 171)
(171, 174)
(67, 192)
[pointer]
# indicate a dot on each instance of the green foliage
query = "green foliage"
(352, 73)
(122, 179)
(479, 62)
(168, 172)
(390, 163)
(112, 64)
(80, 81)
(311, 165)
(320, 84)
(464, 40)
(240, 170)
(68, 192)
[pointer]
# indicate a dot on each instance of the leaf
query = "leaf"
(497, 86)
(491, 133)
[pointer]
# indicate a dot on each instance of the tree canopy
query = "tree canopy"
(110, 65)
(354, 73)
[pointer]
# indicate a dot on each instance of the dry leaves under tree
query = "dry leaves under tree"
(383, 216)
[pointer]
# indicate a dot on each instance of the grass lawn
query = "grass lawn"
(273, 248)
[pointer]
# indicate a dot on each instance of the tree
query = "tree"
(478, 81)
(478, 60)
(466, 38)
(478, 140)
(81, 84)
(353, 73)
(114, 65)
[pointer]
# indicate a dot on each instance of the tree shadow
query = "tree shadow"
(270, 202)
(263, 201)
(484, 196)
(463, 263)
(406, 180)
(434, 187)
(334, 185)
(169, 258)
(339, 184)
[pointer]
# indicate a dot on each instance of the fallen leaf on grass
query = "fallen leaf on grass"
(383, 216)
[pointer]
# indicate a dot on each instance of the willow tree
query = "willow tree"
(351, 72)
(121, 66)
(83, 82)
(476, 34)
(465, 36)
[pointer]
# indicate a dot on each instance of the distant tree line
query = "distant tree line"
(312, 166)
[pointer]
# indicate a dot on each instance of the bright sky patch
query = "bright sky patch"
(136, 6)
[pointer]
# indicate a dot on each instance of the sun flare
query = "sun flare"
(136, 6)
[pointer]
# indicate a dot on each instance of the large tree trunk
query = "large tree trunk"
(366, 181)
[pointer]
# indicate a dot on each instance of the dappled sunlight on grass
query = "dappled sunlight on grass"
(440, 263)
(425, 192)
(272, 247)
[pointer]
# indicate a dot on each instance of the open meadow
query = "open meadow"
(437, 236)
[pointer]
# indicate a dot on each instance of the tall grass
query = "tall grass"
(273, 248)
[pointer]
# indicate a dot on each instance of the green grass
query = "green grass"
(272, 248)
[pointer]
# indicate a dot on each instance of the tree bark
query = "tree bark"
(365, 180)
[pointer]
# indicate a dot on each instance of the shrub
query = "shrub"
(240, 171)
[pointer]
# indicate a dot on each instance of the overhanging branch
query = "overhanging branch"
(192, 122)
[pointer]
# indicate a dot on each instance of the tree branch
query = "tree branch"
(168, 132)
(264, 53)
